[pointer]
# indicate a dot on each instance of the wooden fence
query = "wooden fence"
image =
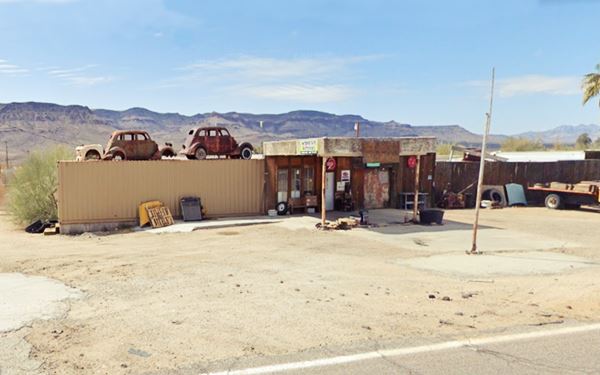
(461, 174)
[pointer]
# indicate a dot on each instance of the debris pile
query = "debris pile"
(345, 223)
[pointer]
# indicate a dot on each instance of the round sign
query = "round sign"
(412, 162)
(330, 164)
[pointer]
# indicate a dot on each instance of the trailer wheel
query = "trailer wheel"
(554, 201)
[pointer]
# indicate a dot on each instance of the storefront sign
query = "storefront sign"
(330, 164)
(345, 174)
(412, 162)
(373, 165)
(307, 146)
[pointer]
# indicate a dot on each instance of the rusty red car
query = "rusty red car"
(135, 145)
(214, 140)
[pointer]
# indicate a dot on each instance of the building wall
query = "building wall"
(110, 192)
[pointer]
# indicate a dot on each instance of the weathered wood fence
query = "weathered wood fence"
(461, 174)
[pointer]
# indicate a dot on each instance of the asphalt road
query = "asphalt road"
(547, 351)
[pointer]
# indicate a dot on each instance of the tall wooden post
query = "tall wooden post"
(486, 131)
(323, 193)
(417, 177)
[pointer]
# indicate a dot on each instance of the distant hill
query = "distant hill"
(27, 126)
(564, 133)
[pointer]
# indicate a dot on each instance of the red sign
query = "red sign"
(412, 162)
(330, 164)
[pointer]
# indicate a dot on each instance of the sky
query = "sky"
(417, 62)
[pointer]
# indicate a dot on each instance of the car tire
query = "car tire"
(246, 153)
(167, 154)
(200, 153)
(553, 201)
(92, 155)
(118, 156)
(282, 208)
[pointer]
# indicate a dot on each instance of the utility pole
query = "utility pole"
(488, 122)
(357, 129)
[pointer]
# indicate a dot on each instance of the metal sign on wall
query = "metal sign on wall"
(307, 146)
(330, 164)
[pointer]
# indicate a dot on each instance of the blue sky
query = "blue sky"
(419, 62)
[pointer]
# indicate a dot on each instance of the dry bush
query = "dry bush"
(31, 188)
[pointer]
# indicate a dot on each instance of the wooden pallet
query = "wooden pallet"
(160, 216)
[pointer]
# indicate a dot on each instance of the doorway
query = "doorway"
(377, 188)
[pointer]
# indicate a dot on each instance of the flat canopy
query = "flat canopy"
(351, 147)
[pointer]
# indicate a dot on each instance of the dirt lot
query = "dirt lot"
(159, 302)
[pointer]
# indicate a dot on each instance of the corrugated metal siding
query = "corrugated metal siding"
(95, 192)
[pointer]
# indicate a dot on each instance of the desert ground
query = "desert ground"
(206, 299)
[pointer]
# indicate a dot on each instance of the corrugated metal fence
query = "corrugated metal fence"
(462, 174)
(100, 192)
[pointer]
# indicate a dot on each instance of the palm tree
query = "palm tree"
(591, 85)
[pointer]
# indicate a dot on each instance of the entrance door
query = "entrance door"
(329, 190)
(377, 188)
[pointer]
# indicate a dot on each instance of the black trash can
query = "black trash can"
(431, 215)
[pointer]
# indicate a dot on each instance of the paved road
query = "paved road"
(547, 351)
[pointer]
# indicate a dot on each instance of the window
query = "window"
(191, 132)
(212, 133)
(296, 183)
(309, 180)
(224, 133)
(202, 133)
(282, 185)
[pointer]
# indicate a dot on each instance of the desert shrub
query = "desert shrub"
(521, 144)
(31, 189)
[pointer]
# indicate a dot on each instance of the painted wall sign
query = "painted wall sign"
(307, 146)
(341, 186)
(330, 164)
(412, 162)
(345, 174)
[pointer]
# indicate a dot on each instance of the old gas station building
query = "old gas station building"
(349, 173)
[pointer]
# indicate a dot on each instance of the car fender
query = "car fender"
(81, 151)
(241, 146)
(109, 154)
(194, 147)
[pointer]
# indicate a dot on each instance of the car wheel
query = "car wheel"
(167, 154)
(200, 153)
(246, 153)
(118, 156)
(92, 155)
(553, 201)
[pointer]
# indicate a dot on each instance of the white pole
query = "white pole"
(488, 122)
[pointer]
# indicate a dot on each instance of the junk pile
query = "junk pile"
(47, 227)
(344, 223)
(156, 214)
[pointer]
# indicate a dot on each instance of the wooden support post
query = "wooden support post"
(417, 177)
(486, 131)
(323, 193)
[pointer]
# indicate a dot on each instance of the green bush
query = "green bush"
(31, 189)
(521, 144)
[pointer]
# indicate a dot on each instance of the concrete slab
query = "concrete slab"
(444, 239)
(183, 227)
(526, 263)
(26, 298)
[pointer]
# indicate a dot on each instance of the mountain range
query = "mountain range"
(31, 125)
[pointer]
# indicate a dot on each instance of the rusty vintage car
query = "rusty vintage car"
(213, 140)
(126, 145)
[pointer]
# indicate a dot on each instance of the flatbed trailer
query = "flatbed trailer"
(558, 195)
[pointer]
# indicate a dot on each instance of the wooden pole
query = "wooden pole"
(357, 129)
(417, 175)
(323, 198)
(488, 122)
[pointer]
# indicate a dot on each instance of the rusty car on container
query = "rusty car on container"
(213, 140)
(126, 145)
